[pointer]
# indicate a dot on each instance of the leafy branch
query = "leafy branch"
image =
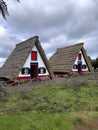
(4, 8)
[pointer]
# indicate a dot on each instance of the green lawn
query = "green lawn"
(35, 121)
(49, 108)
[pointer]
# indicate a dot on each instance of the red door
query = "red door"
(34, 70)
(80, 67)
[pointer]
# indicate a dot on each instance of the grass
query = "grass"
(35, 121)
(53, 107)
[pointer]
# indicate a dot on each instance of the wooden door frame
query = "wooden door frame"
(32, 71)
(80, 67)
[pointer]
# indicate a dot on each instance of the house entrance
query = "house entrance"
(34, 70)
(80, 67)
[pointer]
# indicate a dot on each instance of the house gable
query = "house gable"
(37, 60)
(64, 58)
(20, 57)
(81, 58)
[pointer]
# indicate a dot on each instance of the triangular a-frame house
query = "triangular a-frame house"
(27, 61)
(70, 59)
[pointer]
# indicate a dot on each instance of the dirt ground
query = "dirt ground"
(91, 125)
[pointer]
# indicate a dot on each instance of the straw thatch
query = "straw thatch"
(16, 60)
(63, 59)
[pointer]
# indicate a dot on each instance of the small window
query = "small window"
(79, 56)
(25, 71)
(83, 66)
(42, 70)
(34, 55)
(75, 66)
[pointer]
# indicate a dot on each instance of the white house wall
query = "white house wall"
(39, 61)
(83, 62)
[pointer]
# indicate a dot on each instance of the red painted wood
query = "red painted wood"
(34, 70)
(24, 78)
(80, 67)
(34, 55)
(79, 57)
(27, 78)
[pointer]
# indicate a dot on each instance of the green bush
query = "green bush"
(26, 107)
(53, 98)
(79, 120)
(2, 93)
(96, 108)
(75, 85)
(25, 95)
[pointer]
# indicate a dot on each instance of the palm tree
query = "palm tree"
(4, 9)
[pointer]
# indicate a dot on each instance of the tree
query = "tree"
(95, 63)
(4, 9)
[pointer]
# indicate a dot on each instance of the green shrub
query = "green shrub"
(27, 107)
(33, 127)
(79, 120)
(96, 108)
(2, 93)
(24, 95)
(75, 85)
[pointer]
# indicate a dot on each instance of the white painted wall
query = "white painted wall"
(83, 62)
(39, 61)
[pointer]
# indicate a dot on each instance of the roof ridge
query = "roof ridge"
(36, 37)
(71, 45)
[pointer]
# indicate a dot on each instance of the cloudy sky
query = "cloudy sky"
(58, 23)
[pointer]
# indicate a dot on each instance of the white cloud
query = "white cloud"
(2, 31)
(2, 60)
(58, 24)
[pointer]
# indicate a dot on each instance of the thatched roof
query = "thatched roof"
(16, 60)
(64, 58)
